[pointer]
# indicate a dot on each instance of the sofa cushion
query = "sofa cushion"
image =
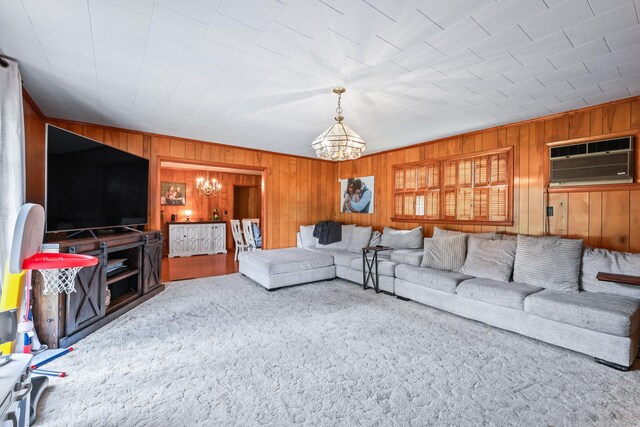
(440, 280)
(386, 267)
(509, 295)
(343, 244)
(288, 260)
(359, 239)
(402, 239)
(441, 232)
(548, 262)
(611, 314)
(489, 259)
(306, 236)
(408, 256)
(340, 257)
(606, 261)
(445, 253)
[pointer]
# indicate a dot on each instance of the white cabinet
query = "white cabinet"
(197, 238)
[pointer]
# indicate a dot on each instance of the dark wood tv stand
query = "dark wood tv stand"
(62, 320)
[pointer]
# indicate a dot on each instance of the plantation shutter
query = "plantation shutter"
(499, 169)
(432, 210)
(397, 203)
(433, 205)
(464, 172)
(498, 210)
(433, 176)
(409, 204)
(481, 170)
(450, 204)
(450, 173)
(471, 188)
(410, 179)
(465, 203)
(481, 204)
(399, 180)
(420, 204)
(422, 177)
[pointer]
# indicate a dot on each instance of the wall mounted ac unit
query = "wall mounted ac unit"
(598, 162)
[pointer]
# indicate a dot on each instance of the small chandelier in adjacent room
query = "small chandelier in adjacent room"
(339, 142)
(207, 186)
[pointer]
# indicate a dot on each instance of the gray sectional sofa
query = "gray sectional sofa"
(541, 287)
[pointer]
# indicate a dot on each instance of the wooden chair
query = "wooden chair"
(236, 230)
(247, 227)
(256, 221)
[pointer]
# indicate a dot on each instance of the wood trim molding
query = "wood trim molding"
(592, 138)
(207, 163)
(453, 222)
(595, 188)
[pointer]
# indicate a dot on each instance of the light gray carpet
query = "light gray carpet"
(223, 351)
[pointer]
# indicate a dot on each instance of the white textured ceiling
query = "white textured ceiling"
(259, 73)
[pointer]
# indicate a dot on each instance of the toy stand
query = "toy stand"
(58, 270)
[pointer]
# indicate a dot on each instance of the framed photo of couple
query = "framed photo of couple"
(356, 195)
(173, 193)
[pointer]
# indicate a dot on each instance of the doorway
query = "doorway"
(246, 201)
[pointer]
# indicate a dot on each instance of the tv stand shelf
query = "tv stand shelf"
(123, 275)
(62, 320)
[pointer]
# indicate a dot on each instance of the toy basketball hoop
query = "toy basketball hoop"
(58, 270)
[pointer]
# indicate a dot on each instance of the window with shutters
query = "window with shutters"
(473, 188)
(415, 189)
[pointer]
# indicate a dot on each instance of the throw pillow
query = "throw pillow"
(347, 232)
(445, 253)
(359, 239)
(548, 262)
(402, 239)
(257, 235)
(490, 259)
(595, 260)
(376, 238)
(306, 236)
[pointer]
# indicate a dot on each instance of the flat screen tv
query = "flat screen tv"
(90, 185)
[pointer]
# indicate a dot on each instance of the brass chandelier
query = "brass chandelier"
(208, 187)
(339, 142)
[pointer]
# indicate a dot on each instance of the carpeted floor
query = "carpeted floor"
(223, 351)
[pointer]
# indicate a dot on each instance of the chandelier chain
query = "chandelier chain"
(339, 109)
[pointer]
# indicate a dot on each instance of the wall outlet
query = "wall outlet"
(549, 210)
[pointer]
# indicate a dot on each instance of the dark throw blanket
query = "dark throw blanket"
(328, 232)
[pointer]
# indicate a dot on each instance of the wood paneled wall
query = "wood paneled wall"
(609, 219)
(294, 187)
(34, 148)
(303, 191)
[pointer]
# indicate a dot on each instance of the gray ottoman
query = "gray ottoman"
(276, 268)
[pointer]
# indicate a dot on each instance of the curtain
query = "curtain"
(12, 170)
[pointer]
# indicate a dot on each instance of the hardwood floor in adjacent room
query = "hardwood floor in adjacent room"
(198, 266)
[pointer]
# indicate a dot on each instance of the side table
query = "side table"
(371, 264)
